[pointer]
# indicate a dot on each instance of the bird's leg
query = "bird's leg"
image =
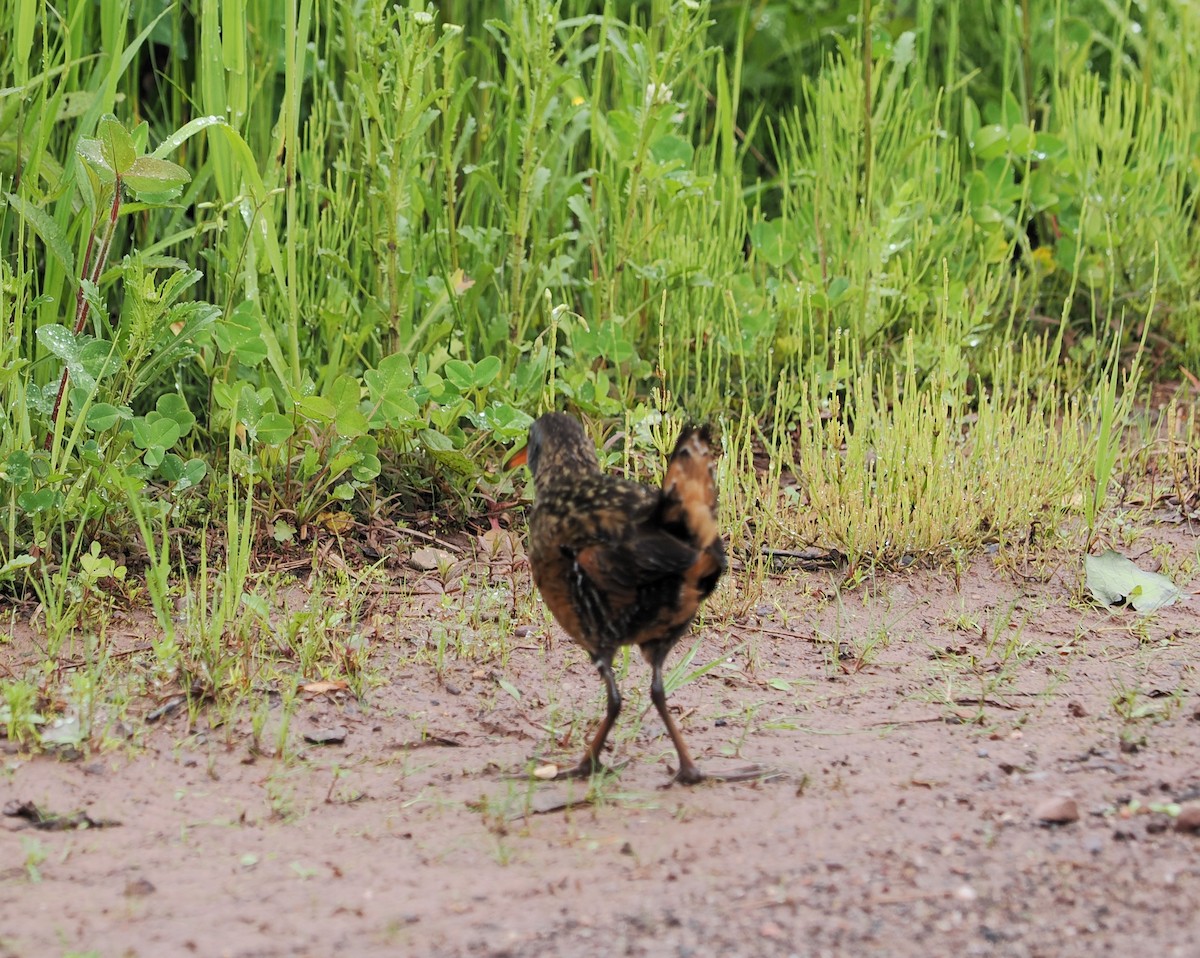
(689, 773)
(590, 764)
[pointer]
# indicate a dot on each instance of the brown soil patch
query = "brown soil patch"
(921, 729)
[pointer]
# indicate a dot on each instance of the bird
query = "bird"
(622, 563)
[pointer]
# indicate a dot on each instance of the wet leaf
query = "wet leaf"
(509, 688)
(152, 176)
(116, 144)
(1112, 579)
(338, 522)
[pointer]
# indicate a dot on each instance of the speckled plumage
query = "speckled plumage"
(620, 563)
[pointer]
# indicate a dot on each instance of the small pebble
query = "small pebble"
(326, 736)
(1188, 819)
(1058, 810)
(139, 888)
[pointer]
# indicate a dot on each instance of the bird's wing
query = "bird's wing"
(631, 591)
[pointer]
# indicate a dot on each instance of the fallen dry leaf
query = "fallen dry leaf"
(325, 685)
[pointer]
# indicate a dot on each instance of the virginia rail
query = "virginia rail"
(621, 563)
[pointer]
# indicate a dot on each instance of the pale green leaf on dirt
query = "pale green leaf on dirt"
(63, 732)
(509, 688)
(1112, 578)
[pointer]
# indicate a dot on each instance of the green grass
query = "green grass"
(917, 265)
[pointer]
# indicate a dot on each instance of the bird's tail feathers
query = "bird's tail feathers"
(689, 494)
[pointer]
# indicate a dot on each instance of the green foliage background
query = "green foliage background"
(406, 228)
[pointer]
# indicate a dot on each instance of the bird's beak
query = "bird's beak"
(518, 458)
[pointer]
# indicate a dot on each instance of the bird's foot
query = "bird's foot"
(691, 775)
(586, 769)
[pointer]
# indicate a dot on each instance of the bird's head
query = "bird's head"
(557, 443)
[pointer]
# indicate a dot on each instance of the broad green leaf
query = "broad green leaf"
(367, 469)
(460, 374)
(99, 358)
(767, 238)
(1112, 578)
(344, 393)
(241, 334)
(506, 422)
(92, 152)
(86, 359)
(155, 431)
(171, 467)
(990, 142)
(486, 370)
(388, 386)
(1011, 112)
(672, 150)
(351, 423)
(317, 408)
(175, 407)
(250, 404)
(44, 500)
(17, 469)
(194, 471)
(343, 461)
(310, 463)
(620, 133)
(256, 604)
(441, 448)
(116, 144)
(140, 135)
(150, 175)
(1048, 146)
(272, 429)
(1020, 139)
(226, 395)
(105, 415)
(60, 341)
(16, 563)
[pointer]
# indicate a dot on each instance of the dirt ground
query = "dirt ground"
(923, 727)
